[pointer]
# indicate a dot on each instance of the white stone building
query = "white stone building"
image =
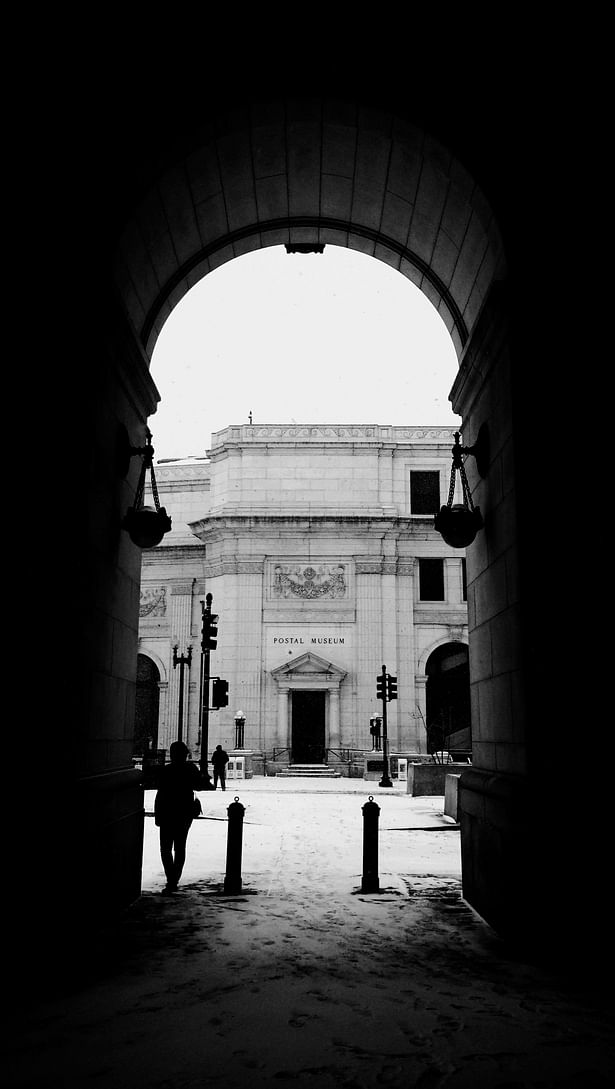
(317, 545)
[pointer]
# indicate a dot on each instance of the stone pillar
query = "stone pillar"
(368, 656)
(334, 718)
(420, 682)
(283, 737)
(406, 728)
(390, 646)
(181, 620)
(163, 714)
(453, 580)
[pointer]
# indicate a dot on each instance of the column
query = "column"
(390, 646)
(283, 739)
(334, 718)
(368, 656)
(453, 580)
(421, 700)
(181, 624)
(406, 728)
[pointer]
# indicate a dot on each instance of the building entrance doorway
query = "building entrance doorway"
(308, 728)
(448, 701)
(147, 702)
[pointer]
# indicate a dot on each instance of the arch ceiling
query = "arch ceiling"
(307, 171)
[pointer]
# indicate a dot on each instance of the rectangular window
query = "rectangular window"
(424, 492)
(431, 579)
(464, 580)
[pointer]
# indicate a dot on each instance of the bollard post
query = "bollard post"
(232, 879)
(371, 813)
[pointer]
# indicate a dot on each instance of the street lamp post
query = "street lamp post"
(181, 661)
(240, 721)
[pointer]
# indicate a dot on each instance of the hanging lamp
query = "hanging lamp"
(146, 526)
(458, 523)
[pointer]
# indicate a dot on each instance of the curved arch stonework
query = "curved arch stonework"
(427, 652)
(312, 172)
(155, 657)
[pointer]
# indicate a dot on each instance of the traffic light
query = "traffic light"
(380, 688)
(219, 695)
(210, 631)
(391, 687)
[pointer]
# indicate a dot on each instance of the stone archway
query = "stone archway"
(140, 216)
(313, 172)
(307, 173)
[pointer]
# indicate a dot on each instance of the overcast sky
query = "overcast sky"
(337, 337)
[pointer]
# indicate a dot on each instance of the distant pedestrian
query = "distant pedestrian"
(219, 759)
(174, 810)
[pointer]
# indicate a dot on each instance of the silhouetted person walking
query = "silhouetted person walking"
(174, 810)
(219, 760)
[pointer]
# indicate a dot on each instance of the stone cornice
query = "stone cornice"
(380, 565)
(234, 523)
(173, 554)
(177, 473)
(326, 434)
(233, 567)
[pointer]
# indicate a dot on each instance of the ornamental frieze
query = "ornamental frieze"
(324, 582)
(153, 601)
(329, 432)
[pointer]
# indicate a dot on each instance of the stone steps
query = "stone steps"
(314, 771)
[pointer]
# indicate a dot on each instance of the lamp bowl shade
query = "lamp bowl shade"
(458, 525)
(146, 526)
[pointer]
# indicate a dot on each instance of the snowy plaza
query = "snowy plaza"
(303, 980)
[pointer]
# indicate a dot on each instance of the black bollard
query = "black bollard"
(371, 813)
(232, 880)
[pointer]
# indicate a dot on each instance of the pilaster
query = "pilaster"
(181, 636)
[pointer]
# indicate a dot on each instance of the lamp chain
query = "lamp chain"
(458, 466)
(148, 463)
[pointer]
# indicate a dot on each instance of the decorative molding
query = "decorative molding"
(406, 567)
(233, 567)
(182, 588)
(308, 666)
(173, 554)
(369, 567)
(381, 566)
(318, 433)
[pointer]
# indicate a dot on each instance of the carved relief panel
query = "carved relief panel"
(153, 601)
(310, 589)
(307, 582)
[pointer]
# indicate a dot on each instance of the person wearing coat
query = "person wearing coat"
(174, 810)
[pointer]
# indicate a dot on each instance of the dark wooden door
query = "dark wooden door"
(308, 735)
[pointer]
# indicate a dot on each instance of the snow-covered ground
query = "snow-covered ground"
(301, 979)
(314, 833)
